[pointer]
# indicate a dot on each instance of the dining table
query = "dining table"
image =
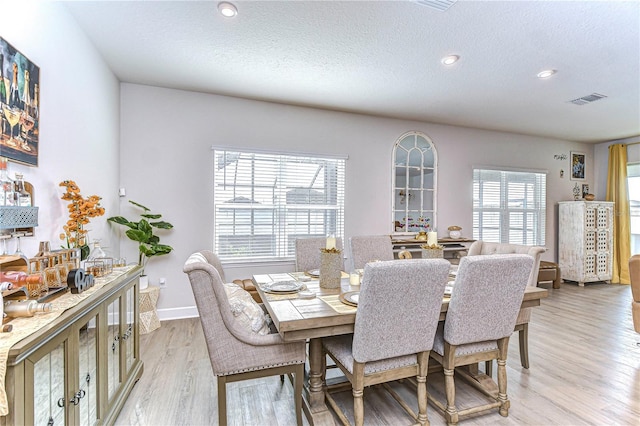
(311, 312)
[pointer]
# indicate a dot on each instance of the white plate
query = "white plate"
(315, 273)
(283, 287)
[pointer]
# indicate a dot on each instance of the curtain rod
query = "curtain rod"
(633, 143)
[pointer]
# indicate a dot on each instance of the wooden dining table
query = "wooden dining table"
(323, 315)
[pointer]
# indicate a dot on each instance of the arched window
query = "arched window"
(415, 169)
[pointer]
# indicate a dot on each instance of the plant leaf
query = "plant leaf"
(161, 225)
(122, 221)
(146, 209)
(151, 216)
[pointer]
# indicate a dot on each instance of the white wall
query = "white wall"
(166, 164)
(79, 117)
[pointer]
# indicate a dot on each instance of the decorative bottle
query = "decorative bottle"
(25, 308)
(26, 94)
(6, 185)
(22, 197)
(96, 251)
(20, 278)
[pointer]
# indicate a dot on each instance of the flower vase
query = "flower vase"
(330, 273)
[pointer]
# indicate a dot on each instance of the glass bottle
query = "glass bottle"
(96, 251)
(20, 277)
(6, 185)
(26, 308)
(22, 196)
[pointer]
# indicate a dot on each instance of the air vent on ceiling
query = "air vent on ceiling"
(440, 5)
(587, 99)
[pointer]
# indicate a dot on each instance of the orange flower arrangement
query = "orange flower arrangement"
(80, 211)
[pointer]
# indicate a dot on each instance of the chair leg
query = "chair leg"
(503, 345)
(523, 336)
(297, 392)
(358, 393)
(488, 368)
(421, 378)
(451, 413)
(282, 378)
(222, 401)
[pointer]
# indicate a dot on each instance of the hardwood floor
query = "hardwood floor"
(585, 370)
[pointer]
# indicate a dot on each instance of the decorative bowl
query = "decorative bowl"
(455, 234)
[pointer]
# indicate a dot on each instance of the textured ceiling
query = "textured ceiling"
(383, 58)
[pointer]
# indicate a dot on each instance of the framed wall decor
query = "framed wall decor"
(577, 165)
(19, 106)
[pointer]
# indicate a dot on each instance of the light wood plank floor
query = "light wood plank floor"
(585, 370)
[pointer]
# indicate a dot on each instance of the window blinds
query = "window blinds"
(509, 206)
(263, 202)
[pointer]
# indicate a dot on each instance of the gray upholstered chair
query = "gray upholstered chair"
(398, 310)
(482, 313)
(524, 316)
(308, 252)
(367, 248)
(235, 352)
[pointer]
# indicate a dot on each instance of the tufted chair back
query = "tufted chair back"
(367, 248)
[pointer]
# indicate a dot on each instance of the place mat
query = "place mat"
(25, 326)
(334, 301)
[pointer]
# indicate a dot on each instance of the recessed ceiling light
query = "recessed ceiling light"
(227, 9)
(546, 73)
(450, 60)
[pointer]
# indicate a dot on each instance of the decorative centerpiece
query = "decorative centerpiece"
(81, 210)
(432, 251)
(330, 264)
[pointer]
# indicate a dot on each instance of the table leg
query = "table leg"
(314, 405)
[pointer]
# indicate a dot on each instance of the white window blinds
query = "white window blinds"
(263, 202)
(509, 206)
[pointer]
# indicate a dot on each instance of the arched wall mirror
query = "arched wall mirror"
(415, 169)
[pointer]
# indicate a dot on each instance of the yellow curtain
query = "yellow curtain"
(618, 193)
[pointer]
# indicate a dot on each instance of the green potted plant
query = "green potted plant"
(142, 232)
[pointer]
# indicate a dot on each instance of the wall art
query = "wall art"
(19, 106)
(577, 165)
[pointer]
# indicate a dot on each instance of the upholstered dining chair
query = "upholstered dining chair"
(634, 273)
(484, 305)
(308, 252)
(524, 316)
(235, 352)
(398, 310)
(367, 248)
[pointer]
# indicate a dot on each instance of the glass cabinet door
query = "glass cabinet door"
(128, 337)
(87, 386)
(49, 385)
(414, 183)
(113, 347)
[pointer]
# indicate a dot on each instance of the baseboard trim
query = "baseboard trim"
(177, 313)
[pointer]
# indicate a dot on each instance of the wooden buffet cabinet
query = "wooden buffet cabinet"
(80, 368)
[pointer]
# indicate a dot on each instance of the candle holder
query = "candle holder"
(330, 264)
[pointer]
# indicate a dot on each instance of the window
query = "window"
(633, 179)
(509, 206)
(264, 201)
